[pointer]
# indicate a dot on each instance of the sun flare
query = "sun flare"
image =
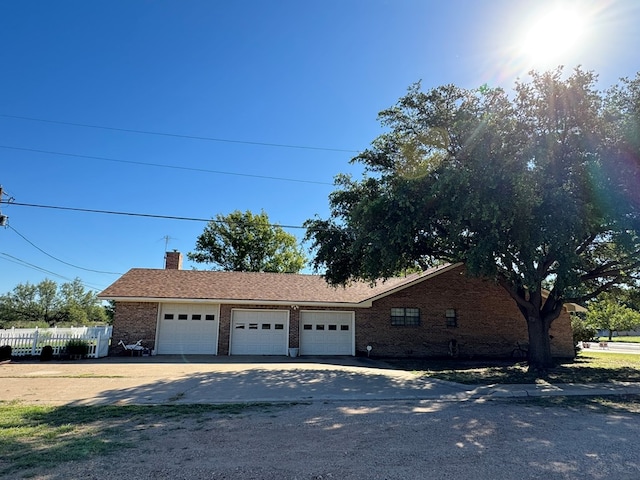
(553, 35)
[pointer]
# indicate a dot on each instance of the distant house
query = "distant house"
(435, 313)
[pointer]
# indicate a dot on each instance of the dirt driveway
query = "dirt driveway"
(336, 437)
(171, 380)
(162, 380)
(402, 440)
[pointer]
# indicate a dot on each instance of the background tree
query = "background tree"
(47, 303)
(244, 242)
(608, 314)
(81, 306)
(582, 331)
(523, 189)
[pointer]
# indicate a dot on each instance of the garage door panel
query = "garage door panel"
(188, 329)
(259, 332)
(326, 333)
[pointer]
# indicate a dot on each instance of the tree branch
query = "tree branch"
(513, 292)
(588, 241)
(602, 288)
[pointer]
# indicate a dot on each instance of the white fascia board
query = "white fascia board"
(574, 307)
(568, 306)
(288, 303)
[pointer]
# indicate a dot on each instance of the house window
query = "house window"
(196, 317)
(452, 319)
(168, 316)
(209, 317)
(183, 316)
(405, 317)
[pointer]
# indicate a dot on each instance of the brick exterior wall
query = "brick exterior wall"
(134, 321)
(173, 261)
(488, 321)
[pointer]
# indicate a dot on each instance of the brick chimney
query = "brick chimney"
(173, 260)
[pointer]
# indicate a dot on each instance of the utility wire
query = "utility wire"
(160, 165)
(175, 135)
(57, 259)
(131, 214)
(18, 261)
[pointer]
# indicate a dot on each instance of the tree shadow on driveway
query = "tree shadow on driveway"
(302, 383)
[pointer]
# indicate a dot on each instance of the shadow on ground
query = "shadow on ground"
(306, 383)
(346, 440)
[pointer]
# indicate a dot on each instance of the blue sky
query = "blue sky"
(310, 74)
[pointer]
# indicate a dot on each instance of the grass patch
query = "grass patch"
(588, 367)
(620, 339)
(609, 404)
(41, 437)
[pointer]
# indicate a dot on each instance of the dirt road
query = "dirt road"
(497, 439)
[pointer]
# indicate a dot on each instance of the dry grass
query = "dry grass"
(588, 367)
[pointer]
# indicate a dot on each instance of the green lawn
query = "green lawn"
(588, 367)
(620, 339)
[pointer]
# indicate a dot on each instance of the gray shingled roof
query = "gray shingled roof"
(246, 286)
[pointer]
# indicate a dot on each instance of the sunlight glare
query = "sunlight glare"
(552, 35)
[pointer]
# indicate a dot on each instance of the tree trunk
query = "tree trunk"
(540, 358)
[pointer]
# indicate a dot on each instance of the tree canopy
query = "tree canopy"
(247, 242)
(46, 302)
(608, 314)
(535, 188)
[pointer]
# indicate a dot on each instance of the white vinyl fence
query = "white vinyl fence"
(29, 341)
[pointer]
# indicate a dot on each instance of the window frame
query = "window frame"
(405, 317)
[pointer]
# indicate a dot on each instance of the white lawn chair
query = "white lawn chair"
(132, 347)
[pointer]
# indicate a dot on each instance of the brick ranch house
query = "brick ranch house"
(435, 313)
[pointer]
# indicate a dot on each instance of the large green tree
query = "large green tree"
(608, 314)
(52, 304)
(247, 242)
(534, 188)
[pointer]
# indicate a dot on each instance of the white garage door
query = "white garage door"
(326, 333)
(259, 332)
(188, 329)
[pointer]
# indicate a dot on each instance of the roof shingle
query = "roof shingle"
(140, 283)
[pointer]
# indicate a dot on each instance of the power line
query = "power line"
(175, 135)
(132, 214)
(19, 261)
(160, 165)
(57, 259)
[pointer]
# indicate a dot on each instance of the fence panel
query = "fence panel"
(29, 341)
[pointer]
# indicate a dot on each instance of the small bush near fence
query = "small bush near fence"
(5, 352)
(46, 354)
(77, 347)
(30, 342)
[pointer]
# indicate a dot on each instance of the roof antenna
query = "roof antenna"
(166, 239)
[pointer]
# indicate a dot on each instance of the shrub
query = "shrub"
(77, 346)
(5, 352)
(581, 331)
(46, 354)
